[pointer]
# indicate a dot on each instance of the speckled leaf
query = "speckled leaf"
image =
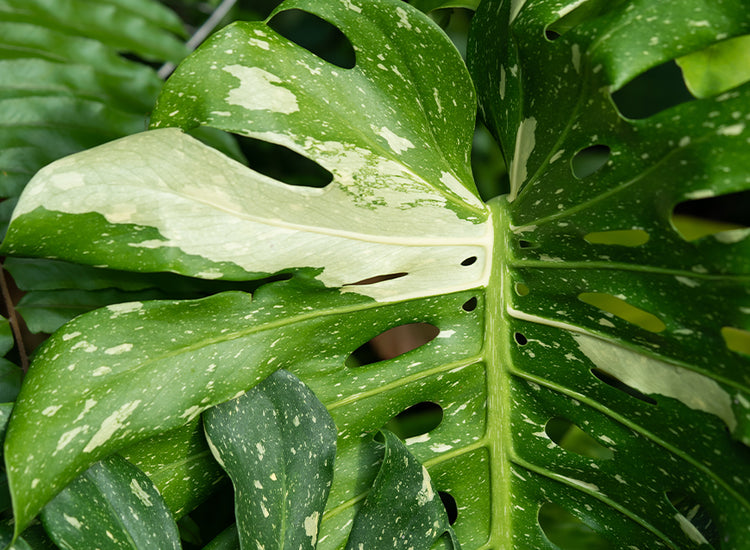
(401, 198)
(112, 505)
(277, 443)
(571, 302)
(180, 465)
(403, 509)
(616, 323)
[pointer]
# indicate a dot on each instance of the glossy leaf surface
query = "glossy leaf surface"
(572, 299)
(180, 465)
(281, 482)
(111, 505)
(403, 509)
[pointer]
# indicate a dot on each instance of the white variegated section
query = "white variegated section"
(260, 90)
(525, 143)
(376, 217)
(652, 376)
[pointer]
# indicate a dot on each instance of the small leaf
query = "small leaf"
(278, 443)
(403, 509)
(113, 505)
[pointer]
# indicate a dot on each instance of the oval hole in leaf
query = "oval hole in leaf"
(283, 164)
(378, 279)
(698, 218)
(525, 244)
(695, 519)
(469, 261)
(718, 68)
(520, 339)
(316, 35)
(656, 90)
(620, 308)
(417, 420)
(470, 304)
(568, 531)
(572, 438)
(622, 386)
(392, 343)
(451, 508)
(522, 289)
(736, 339)
(589, 160)
(622, 237)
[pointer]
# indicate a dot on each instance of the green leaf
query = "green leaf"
(228, 539)
(46, 311)
(539, 299)
(113, 505)
(180, 465)
(669, 392)
(277, 443)
(431, 5)
(6, 336)
(124, 27)
(403, 509)
(718, 68)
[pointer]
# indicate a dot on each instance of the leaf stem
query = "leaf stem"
(13, 320)
(201, 34)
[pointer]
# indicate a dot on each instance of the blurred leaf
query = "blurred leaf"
(718, 68)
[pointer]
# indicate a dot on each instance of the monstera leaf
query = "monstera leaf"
(590, 362)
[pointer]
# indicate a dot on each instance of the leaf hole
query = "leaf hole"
(525, 244)
(469, 261)
(620, 237)
(656, 90)
(392, 343)
(520, 339)
(622, 386)
(417, 420)
(283, 164)
(694, 519)
(316, 35)
(620, 308)
(451, 508)
(567, 531)
(572, 438)
(470, 304)
(522, 289)
(589, 160)
(551, 35)
(736, 339)
(724, 216)
(378, 279)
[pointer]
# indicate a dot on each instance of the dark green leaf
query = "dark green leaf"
(112, 505)
(277, 443)
(228, 539)
(403, 509)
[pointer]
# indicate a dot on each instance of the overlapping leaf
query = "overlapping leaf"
(609, 303)
(112, 501)
(528, 333)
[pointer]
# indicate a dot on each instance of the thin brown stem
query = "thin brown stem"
(13, 320)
